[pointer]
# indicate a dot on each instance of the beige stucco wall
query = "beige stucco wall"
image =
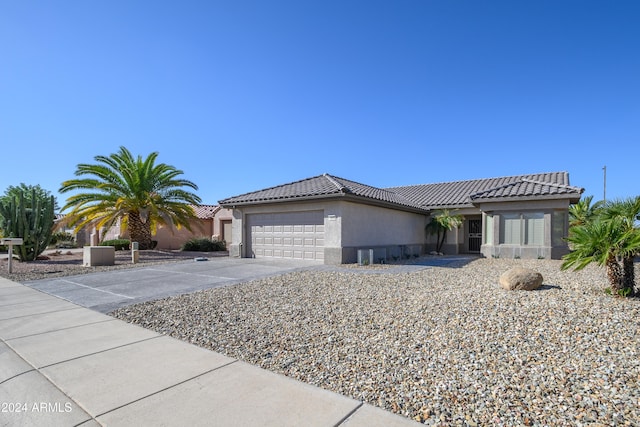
(211, 228)
(364, 225)
(223, 214)
(170, 237)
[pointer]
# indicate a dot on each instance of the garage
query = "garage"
(296, 235)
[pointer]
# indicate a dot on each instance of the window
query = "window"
(559, 228)
(522, 229)
(510, 229)
(488, 232)
(534, 228)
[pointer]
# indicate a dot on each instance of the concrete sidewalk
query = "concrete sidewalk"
(65, 365)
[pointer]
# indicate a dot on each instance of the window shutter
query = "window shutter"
(534, 223)
(511, 229)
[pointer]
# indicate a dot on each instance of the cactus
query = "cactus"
(34, 225)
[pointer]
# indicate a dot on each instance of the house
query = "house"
(330, 219)
(213, 222)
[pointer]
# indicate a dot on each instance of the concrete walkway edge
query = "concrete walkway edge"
(65, 365)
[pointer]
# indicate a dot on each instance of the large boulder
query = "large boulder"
(520, 278)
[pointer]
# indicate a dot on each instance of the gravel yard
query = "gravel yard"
(66, 262)
(444, 346)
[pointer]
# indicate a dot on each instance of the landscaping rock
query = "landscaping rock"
(519, 278)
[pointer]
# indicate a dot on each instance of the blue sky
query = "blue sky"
(243, 95)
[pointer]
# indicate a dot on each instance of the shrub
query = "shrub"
(119, 244)
(203, 244)
(61, 237)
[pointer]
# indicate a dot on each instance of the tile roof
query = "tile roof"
(526, 188)
(205, 211)
(465, 193)
(421, 197)
(201, 211)
(321, 186)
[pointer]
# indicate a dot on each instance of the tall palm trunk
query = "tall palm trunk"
(629, 280)
(615, 275)
(139, 231)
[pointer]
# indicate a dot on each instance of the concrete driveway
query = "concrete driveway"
(109, 290)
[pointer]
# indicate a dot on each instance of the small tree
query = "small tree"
(610, 238)
(628, 210)
(442, 222)
(29, 218)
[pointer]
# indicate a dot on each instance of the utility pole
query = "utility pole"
(604, 198)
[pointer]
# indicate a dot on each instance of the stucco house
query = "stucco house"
(212, 221)
(330, 218)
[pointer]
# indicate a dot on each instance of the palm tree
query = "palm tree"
(136, 191)
(442, 222)
(628, 210)
(583, 211)
(605, 242)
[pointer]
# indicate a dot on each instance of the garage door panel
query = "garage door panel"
(298, 235)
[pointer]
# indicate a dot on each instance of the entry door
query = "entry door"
(474, 227)
(226, 231)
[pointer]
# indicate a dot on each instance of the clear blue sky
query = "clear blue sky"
(242, 95)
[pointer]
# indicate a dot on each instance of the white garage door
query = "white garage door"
(298, 235)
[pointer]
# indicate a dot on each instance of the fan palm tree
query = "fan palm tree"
(583, 211)
(628, 210)
(136, 191)
(442, 222)
(605, 242)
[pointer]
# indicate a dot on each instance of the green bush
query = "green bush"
(119, 244)
(203, 244)
(61, 237)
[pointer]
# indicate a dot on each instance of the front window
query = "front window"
(522, 229)
(511, 229)
(488, 232)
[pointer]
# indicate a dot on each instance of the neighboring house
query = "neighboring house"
(213, 222)
(329, 218)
